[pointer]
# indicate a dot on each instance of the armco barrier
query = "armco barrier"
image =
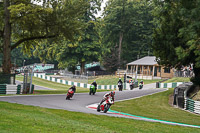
(43, 76)
(185, 102)
(192, 106)
(169, 85)
(2, 88)
(10, 89)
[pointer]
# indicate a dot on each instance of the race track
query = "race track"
(83, 102)
(79, 101)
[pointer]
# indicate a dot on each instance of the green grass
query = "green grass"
(60, 88)
(177, 79)
(46, 83)
(17, 118)
(112, 80)
(157, 106)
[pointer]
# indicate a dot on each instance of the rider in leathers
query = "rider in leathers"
(105, 97)
(95, 84)
(73, 89)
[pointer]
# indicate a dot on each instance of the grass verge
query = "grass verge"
(112, 80)
(157, 106)
(17, 118)
(60, 88)
(177, 79)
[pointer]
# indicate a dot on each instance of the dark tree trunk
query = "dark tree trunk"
(120, 48)
(196, 78)
(7, 39)
(82, 67)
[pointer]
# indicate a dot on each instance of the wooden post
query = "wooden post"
(142, 71)
(131, 69)
(136, 73)
(160, 71)
(153, 72)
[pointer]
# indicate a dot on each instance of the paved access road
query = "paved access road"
(79, 102)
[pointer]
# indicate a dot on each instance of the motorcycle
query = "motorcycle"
(131, 85)
(105, 106)
(92, 90)
(120, 86)
(140, 86)
(70, 94)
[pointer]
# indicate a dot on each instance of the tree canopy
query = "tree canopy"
(84, 48)
(25, 23)
(176, 37)
(126, 31)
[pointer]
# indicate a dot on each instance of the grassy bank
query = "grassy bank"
(45, 83)
(112, 80)
(28, 119)
(157, 106)
(177, 79)
(60, 88)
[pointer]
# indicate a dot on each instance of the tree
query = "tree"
(127, 24)
(27, 23)
(114, 18)
(176, 37)
(84, 48)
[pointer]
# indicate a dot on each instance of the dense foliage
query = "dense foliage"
(176, 37)
(85, 48)
(25, 23)
(68, 32)
(127, 31)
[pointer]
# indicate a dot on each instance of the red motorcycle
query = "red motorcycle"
(105, 106)
(131, 85)
(70, 94)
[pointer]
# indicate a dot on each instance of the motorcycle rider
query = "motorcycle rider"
(141, 82)
(73, 89)
(95, 84)
(105, 97)
(131, 82)
(120, 82)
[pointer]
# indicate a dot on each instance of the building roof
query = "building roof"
(148, 60)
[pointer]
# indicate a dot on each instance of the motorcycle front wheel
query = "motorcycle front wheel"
(106, 108)
(98, 108)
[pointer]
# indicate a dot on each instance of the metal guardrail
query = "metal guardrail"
(192, 106)
(10, 89)
(182, 101)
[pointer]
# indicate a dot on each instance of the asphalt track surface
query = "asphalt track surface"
(81, 101)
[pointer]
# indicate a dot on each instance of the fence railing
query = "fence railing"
(180, 73)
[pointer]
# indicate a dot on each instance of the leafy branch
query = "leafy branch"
(31, 38)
